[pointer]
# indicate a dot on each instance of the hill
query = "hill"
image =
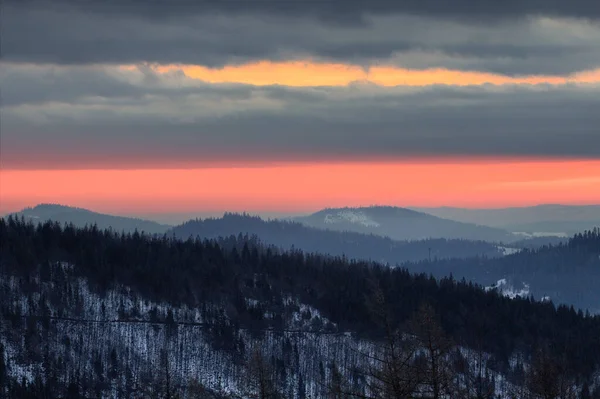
(91, 313)
(82, 217)
(288, 235)
(567, 273)
(401, 224)
(535, 220)
(561, 272)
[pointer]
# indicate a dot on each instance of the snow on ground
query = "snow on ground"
(356, 217)
(306, 317)
(509, 290)
(508, 251)
(14, 368)
(191, 354)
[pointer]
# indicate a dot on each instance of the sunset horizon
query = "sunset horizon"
(305, 187)
(401, 108)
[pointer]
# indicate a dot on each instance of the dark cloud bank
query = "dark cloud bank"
(497, 36)
(71, 116)
(92, 118)
(336, 10)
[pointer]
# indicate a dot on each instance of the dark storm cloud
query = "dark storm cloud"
(343, 11)
(161, 121)
(223, 32)
(26, 85)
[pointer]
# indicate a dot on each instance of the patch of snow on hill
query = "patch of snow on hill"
(508, 290)
(306, 317)
(508, 251)
(355, 217)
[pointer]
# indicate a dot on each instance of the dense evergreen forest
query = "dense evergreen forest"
(92, 313)
(563, 273)
(81, 217)
(288, 235)
(567, 273)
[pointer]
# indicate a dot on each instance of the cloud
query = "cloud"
(228, 32)
(303, 74)
(99, 116)
(30, 84)
(342, 11)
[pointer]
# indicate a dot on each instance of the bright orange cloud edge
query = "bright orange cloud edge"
(308, 73)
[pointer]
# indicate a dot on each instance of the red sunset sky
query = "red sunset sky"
(297, 188)
(298, 114)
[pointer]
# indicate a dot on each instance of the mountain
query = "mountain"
(288, 235)
(563, 272)
(535, 220)
(401, 224)
(81, 217)
(91, 313)
(567, 273)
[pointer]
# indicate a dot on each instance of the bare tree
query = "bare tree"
(391, 372)
(196, 390)
(547, 378)
(394, 374)
(338, 388)
(472, 380)
(434, 362)
(259, 378)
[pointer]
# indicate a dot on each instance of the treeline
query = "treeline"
(568, 272)
(421, 361)
(288, 235)
(249, 281)
(562, 272)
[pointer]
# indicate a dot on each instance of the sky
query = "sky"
(131, 106)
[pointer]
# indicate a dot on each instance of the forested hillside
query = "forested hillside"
(566, 273)
(82, 217)
(539, 219)
(92, 313)
(288, 235)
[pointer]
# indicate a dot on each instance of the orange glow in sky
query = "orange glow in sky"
(309, 186)
(298, 74)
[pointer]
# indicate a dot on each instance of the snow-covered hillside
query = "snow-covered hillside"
(131, 315)
(148, 337)
(349, 216)
(141, 342)
(401, 224)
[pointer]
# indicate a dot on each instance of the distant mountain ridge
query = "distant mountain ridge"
(567, 273)
(81, 217)
(401, 224)
(540, 219)
(289, 234)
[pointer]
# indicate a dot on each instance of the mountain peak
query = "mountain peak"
(54, 207)
(81, 217)
(400, 224)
